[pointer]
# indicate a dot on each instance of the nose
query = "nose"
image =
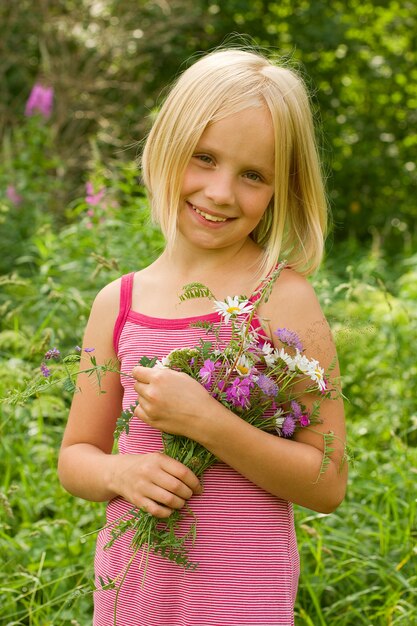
(221, 190)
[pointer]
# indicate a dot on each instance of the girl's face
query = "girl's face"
(229, 180)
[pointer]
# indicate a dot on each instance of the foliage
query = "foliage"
(109, 62)
(359, 564)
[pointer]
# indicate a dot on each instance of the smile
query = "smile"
(207, 216)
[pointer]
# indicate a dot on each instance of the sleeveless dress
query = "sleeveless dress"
(246, 549)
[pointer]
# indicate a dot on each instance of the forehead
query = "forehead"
(248, 134)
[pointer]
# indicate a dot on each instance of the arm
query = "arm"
(288, 469)
(86, 467)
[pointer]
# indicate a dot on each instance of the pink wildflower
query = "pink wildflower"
(13, 196)
(206, 372)
(92, 198)
(288, 427)
(40, 101)
(238, 393)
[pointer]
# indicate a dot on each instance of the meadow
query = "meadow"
(359, 564)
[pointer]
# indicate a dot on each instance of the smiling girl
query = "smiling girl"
(235, 184)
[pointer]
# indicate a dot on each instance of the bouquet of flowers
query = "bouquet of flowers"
(260, 383)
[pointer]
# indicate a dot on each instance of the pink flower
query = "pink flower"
(93, 198)
(13, 196)
(206, 373)
(40, 101)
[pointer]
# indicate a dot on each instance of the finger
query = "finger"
(155, 508)
(142, 374)
(165, 498)
(175, 486)
(183, 473)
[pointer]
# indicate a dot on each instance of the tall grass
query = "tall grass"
(359, 565)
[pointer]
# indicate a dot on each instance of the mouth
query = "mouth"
(207, 216)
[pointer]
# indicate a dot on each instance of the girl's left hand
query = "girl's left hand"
(170, 401)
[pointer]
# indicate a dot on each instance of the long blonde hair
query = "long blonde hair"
(220, 84)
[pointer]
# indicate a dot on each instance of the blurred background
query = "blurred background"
(80, 83)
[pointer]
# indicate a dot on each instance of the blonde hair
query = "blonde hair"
(220, 84)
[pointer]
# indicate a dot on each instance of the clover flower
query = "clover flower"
(289, 338)
(232, 307)
(52, 354)
(45, 370)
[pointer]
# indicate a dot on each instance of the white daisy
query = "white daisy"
(243, 365)
(269, 354)
(287, 358)
(231, 307)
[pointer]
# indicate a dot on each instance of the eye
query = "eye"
(254, 176)
(204, 158)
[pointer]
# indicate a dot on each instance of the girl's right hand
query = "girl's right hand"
(154, 482)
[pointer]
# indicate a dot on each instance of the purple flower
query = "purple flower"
(304, 419)
(238, 393)
(88, 349)
(268, 386)
(40, 101)
(288, 426)
(45, 370)
(77, 349)
(289, 338)
(52, 354)
(92, 198)
(13, 196)
(206, 372)
(296, 409)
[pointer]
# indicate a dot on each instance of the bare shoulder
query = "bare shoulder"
(107, 301)
(294, 305)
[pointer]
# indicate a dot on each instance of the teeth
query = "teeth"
(210, 218)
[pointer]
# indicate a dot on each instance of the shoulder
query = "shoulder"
(109, 296)
(294, 305)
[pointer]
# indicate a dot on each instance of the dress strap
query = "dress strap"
(126, 287)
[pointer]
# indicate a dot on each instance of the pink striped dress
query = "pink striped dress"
(246, 550)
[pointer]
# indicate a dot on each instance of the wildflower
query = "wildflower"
(238, 393)
(77, 349)
(296, 409)
(88, 349)
(206, 372)
(52, 354)
(232, 307)
(289, 338)
(316, 374)
(268, 386)
(269, 354)
(302, 363)
(279, 420)
(92, 198)
(243, 365)
(304, 419)
(287, 358)
(13, 196)
(288, 427)
(40, 101)
(45, 370)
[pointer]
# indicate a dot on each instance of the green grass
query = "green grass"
(358, 565)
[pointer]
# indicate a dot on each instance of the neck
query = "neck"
(191, 262)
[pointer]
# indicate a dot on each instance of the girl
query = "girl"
(234, 181)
